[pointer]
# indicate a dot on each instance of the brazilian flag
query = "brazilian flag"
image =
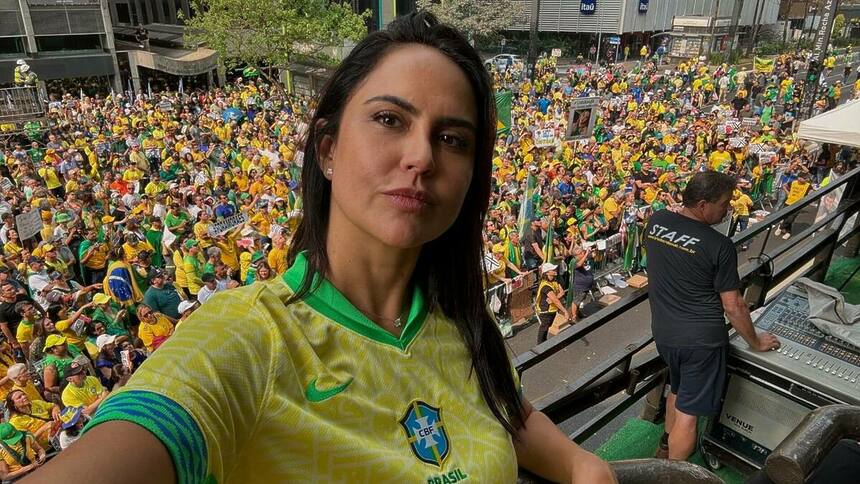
(250, 71)
(503, 112)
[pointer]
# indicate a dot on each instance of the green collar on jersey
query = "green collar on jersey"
(328, 301)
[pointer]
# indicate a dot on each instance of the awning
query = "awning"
(838, 126)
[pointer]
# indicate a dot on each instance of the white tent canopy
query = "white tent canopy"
(839, 126)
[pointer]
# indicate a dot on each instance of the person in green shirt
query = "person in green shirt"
(113, 319)
(154, 234)
(177, 221)
(36, 154)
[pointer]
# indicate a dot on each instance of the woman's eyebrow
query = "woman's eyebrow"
(450, 121)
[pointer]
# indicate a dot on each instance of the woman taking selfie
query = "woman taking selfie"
(374, 356)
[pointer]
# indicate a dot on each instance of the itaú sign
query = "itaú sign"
(587, 6)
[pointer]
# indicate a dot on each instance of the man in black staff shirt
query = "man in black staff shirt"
(693, 281)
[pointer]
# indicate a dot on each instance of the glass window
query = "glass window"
(55, 43)
(11, 45)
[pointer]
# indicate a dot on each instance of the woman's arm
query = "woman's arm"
(109, 450)
(555, 299)
(50, 375)
(544, 450)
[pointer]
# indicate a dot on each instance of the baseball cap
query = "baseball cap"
(70, 416)
(104, 340)
(9, 434)
(74, 369)
(156, 273)
(190, 243)
(54, 340)
(546, 267)
(185, 306)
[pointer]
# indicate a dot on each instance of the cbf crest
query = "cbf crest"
(426, 433)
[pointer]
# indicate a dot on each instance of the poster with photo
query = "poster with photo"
(583, 114)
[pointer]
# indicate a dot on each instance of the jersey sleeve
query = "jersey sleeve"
(726, 277)
(202, 392)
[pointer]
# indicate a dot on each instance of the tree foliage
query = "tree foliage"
(838, 25)
(476, 17)
(273, 32)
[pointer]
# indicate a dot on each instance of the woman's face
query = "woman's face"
(404, 155)
(20, 400)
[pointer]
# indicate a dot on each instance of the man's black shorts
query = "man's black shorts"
(697, 376)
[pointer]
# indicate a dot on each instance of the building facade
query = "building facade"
(683, 27)
(59, 39)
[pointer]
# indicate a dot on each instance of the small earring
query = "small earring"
(328, 172)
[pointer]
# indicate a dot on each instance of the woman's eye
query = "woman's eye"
(453, 140)
(387, 119)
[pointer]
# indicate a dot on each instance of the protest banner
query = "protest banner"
(28, 223)
(749, 121)
(763, 65)
(225, 225)
(544, 138)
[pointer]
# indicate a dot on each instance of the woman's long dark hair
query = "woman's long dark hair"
(456, 289)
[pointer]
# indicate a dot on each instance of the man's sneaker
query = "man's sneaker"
(786, 235)
(777, 232)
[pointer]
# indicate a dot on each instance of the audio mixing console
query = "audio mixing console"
(810, 357)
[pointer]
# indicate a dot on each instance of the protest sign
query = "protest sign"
(168, 238)
(583, 114)
(490, 263)
(749, 121)
(28, 223)
(544, 138)
(737, 142)
(556, 53)
(755, 148)
(5, 184)
(222, 226)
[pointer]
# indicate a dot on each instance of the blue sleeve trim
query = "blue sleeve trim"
(169, 422)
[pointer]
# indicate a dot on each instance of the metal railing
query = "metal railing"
(637, 369)
(20, 104)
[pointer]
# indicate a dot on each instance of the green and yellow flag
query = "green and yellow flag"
(503, 112)
(763, 65)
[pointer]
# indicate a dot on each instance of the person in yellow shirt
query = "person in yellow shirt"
(18, 443)
(83, 390)
(133, 246)
(277, 257)
(22, 380)
(37, 417)
(720, 159)
(154, 328)
(796, 190)
(741, 204)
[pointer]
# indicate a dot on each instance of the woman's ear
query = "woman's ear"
(325, 145)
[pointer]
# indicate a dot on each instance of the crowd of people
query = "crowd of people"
(655, 127)
(139, 209)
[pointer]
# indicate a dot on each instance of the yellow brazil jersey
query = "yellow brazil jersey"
(81, 396)
(314, 392)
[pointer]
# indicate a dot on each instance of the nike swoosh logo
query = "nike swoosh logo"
(315, 395)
